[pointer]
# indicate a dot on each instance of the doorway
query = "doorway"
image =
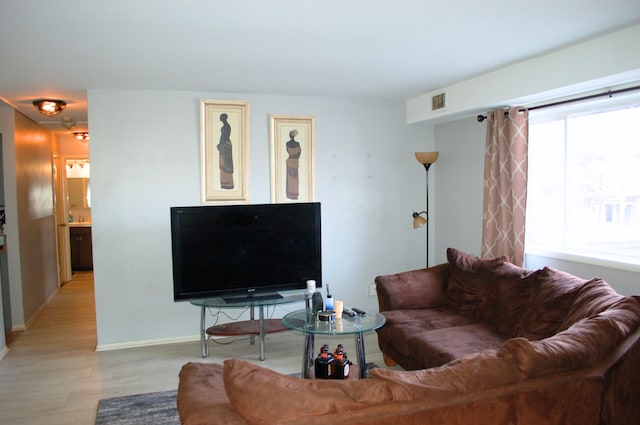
(73, 214)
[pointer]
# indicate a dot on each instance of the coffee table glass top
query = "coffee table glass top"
(301, 321)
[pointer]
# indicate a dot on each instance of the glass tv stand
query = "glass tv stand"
(251, 327)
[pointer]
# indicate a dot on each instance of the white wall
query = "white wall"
(30, 222)
(458, 199)
(7, 126)
(144, 153)
(609, 60)
(35, 216)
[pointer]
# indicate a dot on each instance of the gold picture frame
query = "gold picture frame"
(224, 150)
(292, 149)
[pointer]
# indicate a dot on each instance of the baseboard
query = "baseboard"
(34, 316)
(4, 352)
(146, 343)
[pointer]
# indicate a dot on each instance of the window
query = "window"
(584, 183)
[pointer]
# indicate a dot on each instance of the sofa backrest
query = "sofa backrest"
(494, 291)
(585, 343)
(593, 297)
(519, 302)
(552, 293)
(469, 277)
(415, 289)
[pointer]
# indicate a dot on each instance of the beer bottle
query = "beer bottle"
(340, 365)
(323, 363)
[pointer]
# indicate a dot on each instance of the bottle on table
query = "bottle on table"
(323, 363)
(341, 364)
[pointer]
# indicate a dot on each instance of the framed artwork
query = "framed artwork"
(224, 150)
(292, 158)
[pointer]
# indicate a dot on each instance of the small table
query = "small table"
(250, 327)
(305, 322)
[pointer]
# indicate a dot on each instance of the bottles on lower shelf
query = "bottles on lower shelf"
(334, 365)
(323, 363)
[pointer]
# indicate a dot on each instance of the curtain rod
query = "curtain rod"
(609, 93)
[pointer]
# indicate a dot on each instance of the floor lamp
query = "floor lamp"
(426, 159)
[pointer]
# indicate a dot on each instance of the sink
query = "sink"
(80, 224)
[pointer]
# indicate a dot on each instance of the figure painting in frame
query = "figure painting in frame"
(293, 164)
(224, 150)
(292, 158)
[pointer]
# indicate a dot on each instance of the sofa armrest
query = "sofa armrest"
(414, 289)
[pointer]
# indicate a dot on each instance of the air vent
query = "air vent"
(438, 101)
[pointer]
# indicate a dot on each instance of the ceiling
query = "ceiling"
(374, 49)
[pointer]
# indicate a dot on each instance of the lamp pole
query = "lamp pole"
(426, 168)
(426, 159)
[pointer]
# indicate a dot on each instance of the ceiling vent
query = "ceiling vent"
(438, 101)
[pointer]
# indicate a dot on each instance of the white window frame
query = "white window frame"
(556, 113)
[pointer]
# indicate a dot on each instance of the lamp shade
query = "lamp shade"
(427, 157)
(419, 220)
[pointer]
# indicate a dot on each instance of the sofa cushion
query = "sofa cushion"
(262, 396)
(475, 372)
(440, 346)
(401, 325)
(626, 313)
(552, 295)
(593, 297)
(506, 298)
(582, 345)
(201, 392)
(426, 319)
(467, 280)
(414, 289)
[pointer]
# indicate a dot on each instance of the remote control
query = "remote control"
(349, 313)
(360, 312)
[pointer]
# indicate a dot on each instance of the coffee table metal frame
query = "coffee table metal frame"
(306, 322)
(219, 302)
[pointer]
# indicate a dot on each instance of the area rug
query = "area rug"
(141, 409)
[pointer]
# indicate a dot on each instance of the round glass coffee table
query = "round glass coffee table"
(305, 322)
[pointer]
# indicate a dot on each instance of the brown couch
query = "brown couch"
(515, 347)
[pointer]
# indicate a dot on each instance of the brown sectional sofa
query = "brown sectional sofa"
(469, 305)
(491, 343)
(548, 320)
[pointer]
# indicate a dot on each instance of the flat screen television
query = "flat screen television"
(242, 251)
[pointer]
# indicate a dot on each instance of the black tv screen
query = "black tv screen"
(242, 250)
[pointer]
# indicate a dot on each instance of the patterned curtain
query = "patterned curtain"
(505, 184)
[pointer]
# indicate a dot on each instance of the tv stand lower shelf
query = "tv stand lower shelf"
(246, 327)
(249, 327)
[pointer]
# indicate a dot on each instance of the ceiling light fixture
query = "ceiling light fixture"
(83, 136)
(68, 122)
(49, 107)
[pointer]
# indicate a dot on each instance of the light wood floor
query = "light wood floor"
(53, 375)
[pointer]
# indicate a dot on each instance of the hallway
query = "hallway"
(53, 375)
